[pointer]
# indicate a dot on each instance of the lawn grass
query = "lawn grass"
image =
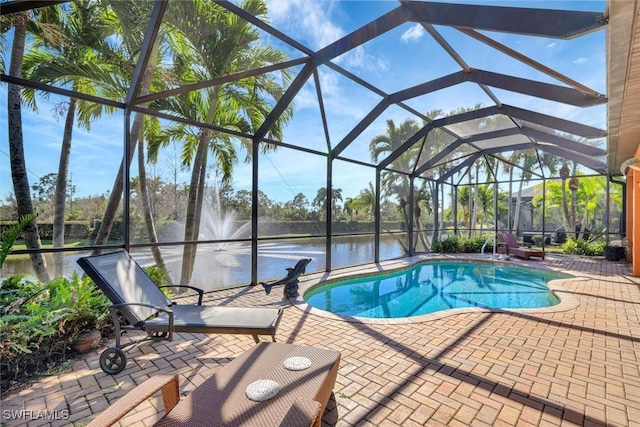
(47, 244)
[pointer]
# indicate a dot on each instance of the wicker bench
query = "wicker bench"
(221, 399)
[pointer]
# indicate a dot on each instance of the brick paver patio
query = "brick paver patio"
(576, 367)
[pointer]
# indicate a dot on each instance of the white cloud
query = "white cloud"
(552, 44)
(413, 34)
(359, 58)
(313, 24)
(581, 60)
(309, 21)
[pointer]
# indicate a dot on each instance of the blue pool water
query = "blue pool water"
(435, 286)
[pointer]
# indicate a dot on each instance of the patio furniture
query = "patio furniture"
(221, 400)
(139, 304)
(290, 281)
(513, 248)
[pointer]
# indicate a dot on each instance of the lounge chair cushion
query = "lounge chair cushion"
(205, 319)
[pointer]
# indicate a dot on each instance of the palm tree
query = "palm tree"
(589, 197)
(463, 201)
(485, 200)
(366, 200)
(127, 21)
(528, 161)
(203, 54)
(22, 23)
(60, 64)
(513, 160)
(396, 183)
(437, 140)
(382, 145)
(320, 201)
(350, 207)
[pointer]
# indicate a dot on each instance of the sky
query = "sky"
(401, 58)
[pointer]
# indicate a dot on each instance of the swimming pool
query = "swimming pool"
(429, 287)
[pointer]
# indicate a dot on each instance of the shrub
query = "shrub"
(453, 244)
(159, 277)
(38, 323)
(10, 233)
(446, 244)
(472, 245)
(582, 247)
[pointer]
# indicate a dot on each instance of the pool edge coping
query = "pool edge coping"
(567, 300)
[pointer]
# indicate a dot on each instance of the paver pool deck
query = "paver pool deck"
(577, 366)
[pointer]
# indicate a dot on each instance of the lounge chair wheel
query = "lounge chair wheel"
(113, 360)
(158, 335)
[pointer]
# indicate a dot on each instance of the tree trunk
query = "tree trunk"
(16, 152)
(146, 208)
(59, 209)
(565, 208)
(510, 208)
(441, 216)
(191, 227)
(470, 202)
(194, 198)
(116, 193)
(432, 193)
(516, 216)
(474, 214)
(150, 226)
(573, 214)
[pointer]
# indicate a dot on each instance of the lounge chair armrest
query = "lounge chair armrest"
(140, 304)
(198, 290)
(168, 385)
(167, 310)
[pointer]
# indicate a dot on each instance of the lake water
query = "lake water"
(217, 268)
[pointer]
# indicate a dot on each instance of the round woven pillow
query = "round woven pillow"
(261, 390)
(296, 363)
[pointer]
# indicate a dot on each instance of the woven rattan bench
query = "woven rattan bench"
(221, 399)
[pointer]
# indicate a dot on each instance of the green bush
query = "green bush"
(452, 244)
(582, 247)
(39, 321)
(159, 277)
(446, 244)
(9, 233)
(472, 245)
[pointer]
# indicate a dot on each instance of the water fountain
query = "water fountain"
(216, 224)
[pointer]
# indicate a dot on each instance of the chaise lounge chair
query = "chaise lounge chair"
(513, 248)
(145, 307)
